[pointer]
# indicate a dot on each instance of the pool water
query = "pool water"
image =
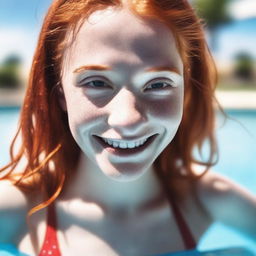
(8, 124)
(237, 145)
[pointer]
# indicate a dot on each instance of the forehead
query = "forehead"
(117, 34)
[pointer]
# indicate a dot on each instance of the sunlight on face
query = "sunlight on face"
(123, 81)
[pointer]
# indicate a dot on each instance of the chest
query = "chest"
(135, 236)
(147, 234)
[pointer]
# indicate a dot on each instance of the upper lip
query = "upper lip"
(131, 139)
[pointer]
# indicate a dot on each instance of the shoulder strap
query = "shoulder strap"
(51, 245)
(186, 234)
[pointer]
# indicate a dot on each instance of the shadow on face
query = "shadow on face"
(123, 81)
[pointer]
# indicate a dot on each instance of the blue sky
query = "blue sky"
(27, 13)
(20, 22)
(236, 37)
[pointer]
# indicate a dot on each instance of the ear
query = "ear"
(61, 98)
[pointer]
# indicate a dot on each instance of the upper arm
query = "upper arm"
(12, 212)
(228, 203)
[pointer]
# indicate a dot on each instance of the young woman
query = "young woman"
(119, 96)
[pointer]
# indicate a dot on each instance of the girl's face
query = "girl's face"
(123, 84)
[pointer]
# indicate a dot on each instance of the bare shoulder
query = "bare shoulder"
(11, 197)
(13, 210)
(228, 202)
(214, 187)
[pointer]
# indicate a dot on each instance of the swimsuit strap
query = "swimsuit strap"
(185, 231)
(51, 245)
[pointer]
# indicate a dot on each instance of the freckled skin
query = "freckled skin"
(115, 205)
(129, 45)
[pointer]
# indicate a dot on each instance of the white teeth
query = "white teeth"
(137, 144)
(115, 144)
(131, 145)
(125, 144)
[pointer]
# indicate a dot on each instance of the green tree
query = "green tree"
(215, 14)
(244, 66)
(9, 72)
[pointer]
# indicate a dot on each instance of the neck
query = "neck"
(91, 185)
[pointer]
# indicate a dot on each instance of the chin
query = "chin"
(125, 176)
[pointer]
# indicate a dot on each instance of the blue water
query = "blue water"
(237, 144)
(8, 124)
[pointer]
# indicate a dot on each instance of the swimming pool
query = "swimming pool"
(237, 144)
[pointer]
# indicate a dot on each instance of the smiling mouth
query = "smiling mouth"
(125, 151)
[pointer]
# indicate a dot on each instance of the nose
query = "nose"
(125, 115)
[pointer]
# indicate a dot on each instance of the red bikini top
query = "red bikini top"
(185, 231)
(51, 246)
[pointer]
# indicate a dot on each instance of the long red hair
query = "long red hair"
(49, 150)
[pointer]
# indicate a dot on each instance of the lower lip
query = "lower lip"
(126, 151)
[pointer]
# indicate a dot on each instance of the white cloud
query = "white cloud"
(18, 41)
(242, 9)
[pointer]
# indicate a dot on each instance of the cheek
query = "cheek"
(81, 111)
(167, 109)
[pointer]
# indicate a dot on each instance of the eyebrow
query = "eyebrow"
(92, 67)
(105, 68)
(163, 68)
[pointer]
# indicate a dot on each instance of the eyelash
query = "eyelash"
(151, 84)
(163, 83)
